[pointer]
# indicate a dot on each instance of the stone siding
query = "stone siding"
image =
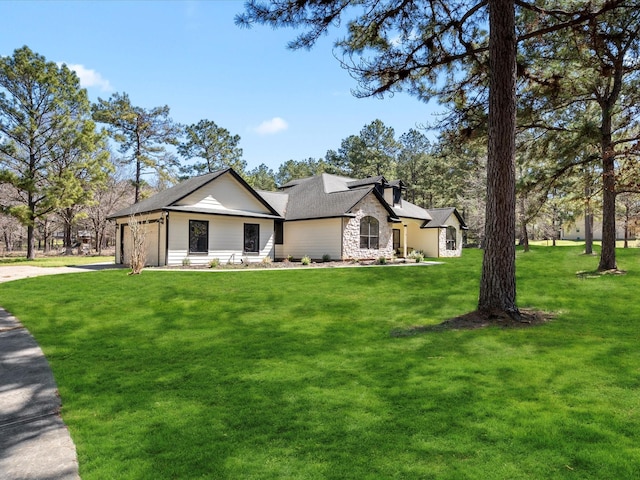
(442, 244)
(368, 206)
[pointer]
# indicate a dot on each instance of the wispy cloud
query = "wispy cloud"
(270, 127)
(90, 78)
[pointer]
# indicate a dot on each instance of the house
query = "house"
(576, 230)
(218, 215)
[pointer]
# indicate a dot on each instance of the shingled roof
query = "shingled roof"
(167, 199)
(322, 196)
(327, 196)
(440, 216)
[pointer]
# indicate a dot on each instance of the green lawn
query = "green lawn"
(294, 374)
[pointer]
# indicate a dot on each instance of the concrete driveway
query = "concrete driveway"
(16, 272)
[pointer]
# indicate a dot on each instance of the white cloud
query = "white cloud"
(90, 78)
(270, 127)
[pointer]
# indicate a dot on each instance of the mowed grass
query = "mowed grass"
(295, 374)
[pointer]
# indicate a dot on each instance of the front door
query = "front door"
(396, 240)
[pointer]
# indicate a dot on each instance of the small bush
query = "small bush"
(417, 255)
(382, 261)
(266, 261)
(326, 257)
(186, 262)
(306, 260)
(215, 262)
(246, 261)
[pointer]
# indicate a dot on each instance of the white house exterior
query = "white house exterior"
(576, 230)
(214, 216)
(219, 216)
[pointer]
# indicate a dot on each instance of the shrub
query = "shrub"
(266, 261)
(326, 257)
(417, 255)
(382, 261)
(306, 260)
(214, 263)
(186, 261)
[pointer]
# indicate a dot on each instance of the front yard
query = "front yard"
(274, 374)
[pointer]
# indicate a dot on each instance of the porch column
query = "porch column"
(405, 241)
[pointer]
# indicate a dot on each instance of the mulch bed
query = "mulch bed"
(290, 264)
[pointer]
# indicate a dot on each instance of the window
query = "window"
(397, 196)
(452, 233)
(279, 233)
(251, 237)
(198, 236)
(369, 228)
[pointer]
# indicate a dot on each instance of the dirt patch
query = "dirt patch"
(480, 319)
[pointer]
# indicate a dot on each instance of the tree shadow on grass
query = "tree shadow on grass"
(480, 319)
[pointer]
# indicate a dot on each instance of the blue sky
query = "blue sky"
(191, 56)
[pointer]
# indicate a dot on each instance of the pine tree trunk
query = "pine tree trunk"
(588, 223)
(498, 283)
(45, 237)
(608, 252)
(31, 239)
(588, 233)
(68, 244)
(626, 226)
(31, 243)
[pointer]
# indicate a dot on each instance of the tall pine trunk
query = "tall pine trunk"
(524, 234)
(626, 226)
(588, 223)
(498, 283)
(608, 252)
(31, 237)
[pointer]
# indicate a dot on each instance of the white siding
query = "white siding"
(224, 193)
(576, 231)
(314, 238)
(226, 239)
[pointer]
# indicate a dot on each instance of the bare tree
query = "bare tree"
(138, 256)
(115, 195)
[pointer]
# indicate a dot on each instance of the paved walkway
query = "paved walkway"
(34, 441)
